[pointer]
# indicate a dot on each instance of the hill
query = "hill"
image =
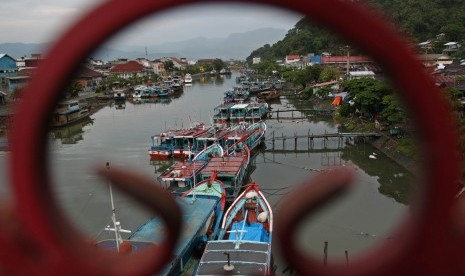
(439, 21)
(233, 46)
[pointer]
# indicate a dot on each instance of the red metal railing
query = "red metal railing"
(36, 237)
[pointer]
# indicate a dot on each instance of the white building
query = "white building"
(361, 74)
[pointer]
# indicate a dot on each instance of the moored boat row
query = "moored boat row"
(208, 177)
(244, 243)
(186, 143)
(238, 112)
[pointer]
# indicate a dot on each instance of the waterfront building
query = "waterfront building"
(8, 67)
(128, 70)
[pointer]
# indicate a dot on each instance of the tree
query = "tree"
(328, 74)
(218, 64)
(308, 75)
(392, 112)
(169, 65)
(73, 89)
(367, 94)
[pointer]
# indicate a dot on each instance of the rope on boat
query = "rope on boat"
(103, 230)
(292, 166)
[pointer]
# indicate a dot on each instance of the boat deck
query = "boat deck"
(250, 259)
(195, 216)
(181, 171)
(188, 133)
(213, 135)
(223, 165)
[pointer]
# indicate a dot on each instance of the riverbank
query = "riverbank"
(389, 147)
(387, 144)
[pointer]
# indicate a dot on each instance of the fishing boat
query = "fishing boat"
(245, 241)
(177, 84)
(181, 176)
(269, 95)
(209, 152)
(119, 95)
(256, 111)
(222, 113)
(202, 208)
(230, 169)
(252, 136)
(177, 143)
(187, 78)
(183, 140)
(212, 136)
(162, 147)
(225, 71)
(238, 112)
(238, 94)
(211, 188)
(69, 112)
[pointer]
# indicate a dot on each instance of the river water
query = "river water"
(121, 135)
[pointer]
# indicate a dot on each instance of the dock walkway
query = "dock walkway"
(310, 137)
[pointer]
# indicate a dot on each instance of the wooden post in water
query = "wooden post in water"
(284, 141)
(295, 140)
(308, 139)
(347, 257)
(277, 115)
(325, 251)
(273, 139)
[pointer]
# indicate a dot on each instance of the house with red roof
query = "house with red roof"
(292, 59)
(128, 70)
(89, 79)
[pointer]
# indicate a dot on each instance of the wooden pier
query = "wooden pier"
(298, 113)
(310, 137)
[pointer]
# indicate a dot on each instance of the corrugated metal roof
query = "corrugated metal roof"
(341, 59)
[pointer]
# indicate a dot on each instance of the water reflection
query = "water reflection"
(71, 134)
(394, 180)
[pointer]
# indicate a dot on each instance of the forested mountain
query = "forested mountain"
(421, 20)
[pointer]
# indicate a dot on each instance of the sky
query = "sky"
(38, 21)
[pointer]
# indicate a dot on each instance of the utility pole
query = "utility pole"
(348, 62)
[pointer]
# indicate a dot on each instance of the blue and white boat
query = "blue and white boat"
(211, 188)
(244, 243)
(214, 150)
(202, 208)
(162, 146)
(252, 136)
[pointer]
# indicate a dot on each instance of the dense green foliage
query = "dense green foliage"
(420, 20)
(370, 97)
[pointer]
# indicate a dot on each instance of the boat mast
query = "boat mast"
(116, 224)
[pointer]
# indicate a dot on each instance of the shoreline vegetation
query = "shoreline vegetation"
(400, 148)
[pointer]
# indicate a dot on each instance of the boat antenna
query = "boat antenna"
(116, 224)
(193, 189)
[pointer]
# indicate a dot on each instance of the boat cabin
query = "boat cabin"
(238, 112)
(181, 176)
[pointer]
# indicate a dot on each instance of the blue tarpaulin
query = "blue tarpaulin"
(252, 232)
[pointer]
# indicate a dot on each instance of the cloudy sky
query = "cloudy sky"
(36, 21)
